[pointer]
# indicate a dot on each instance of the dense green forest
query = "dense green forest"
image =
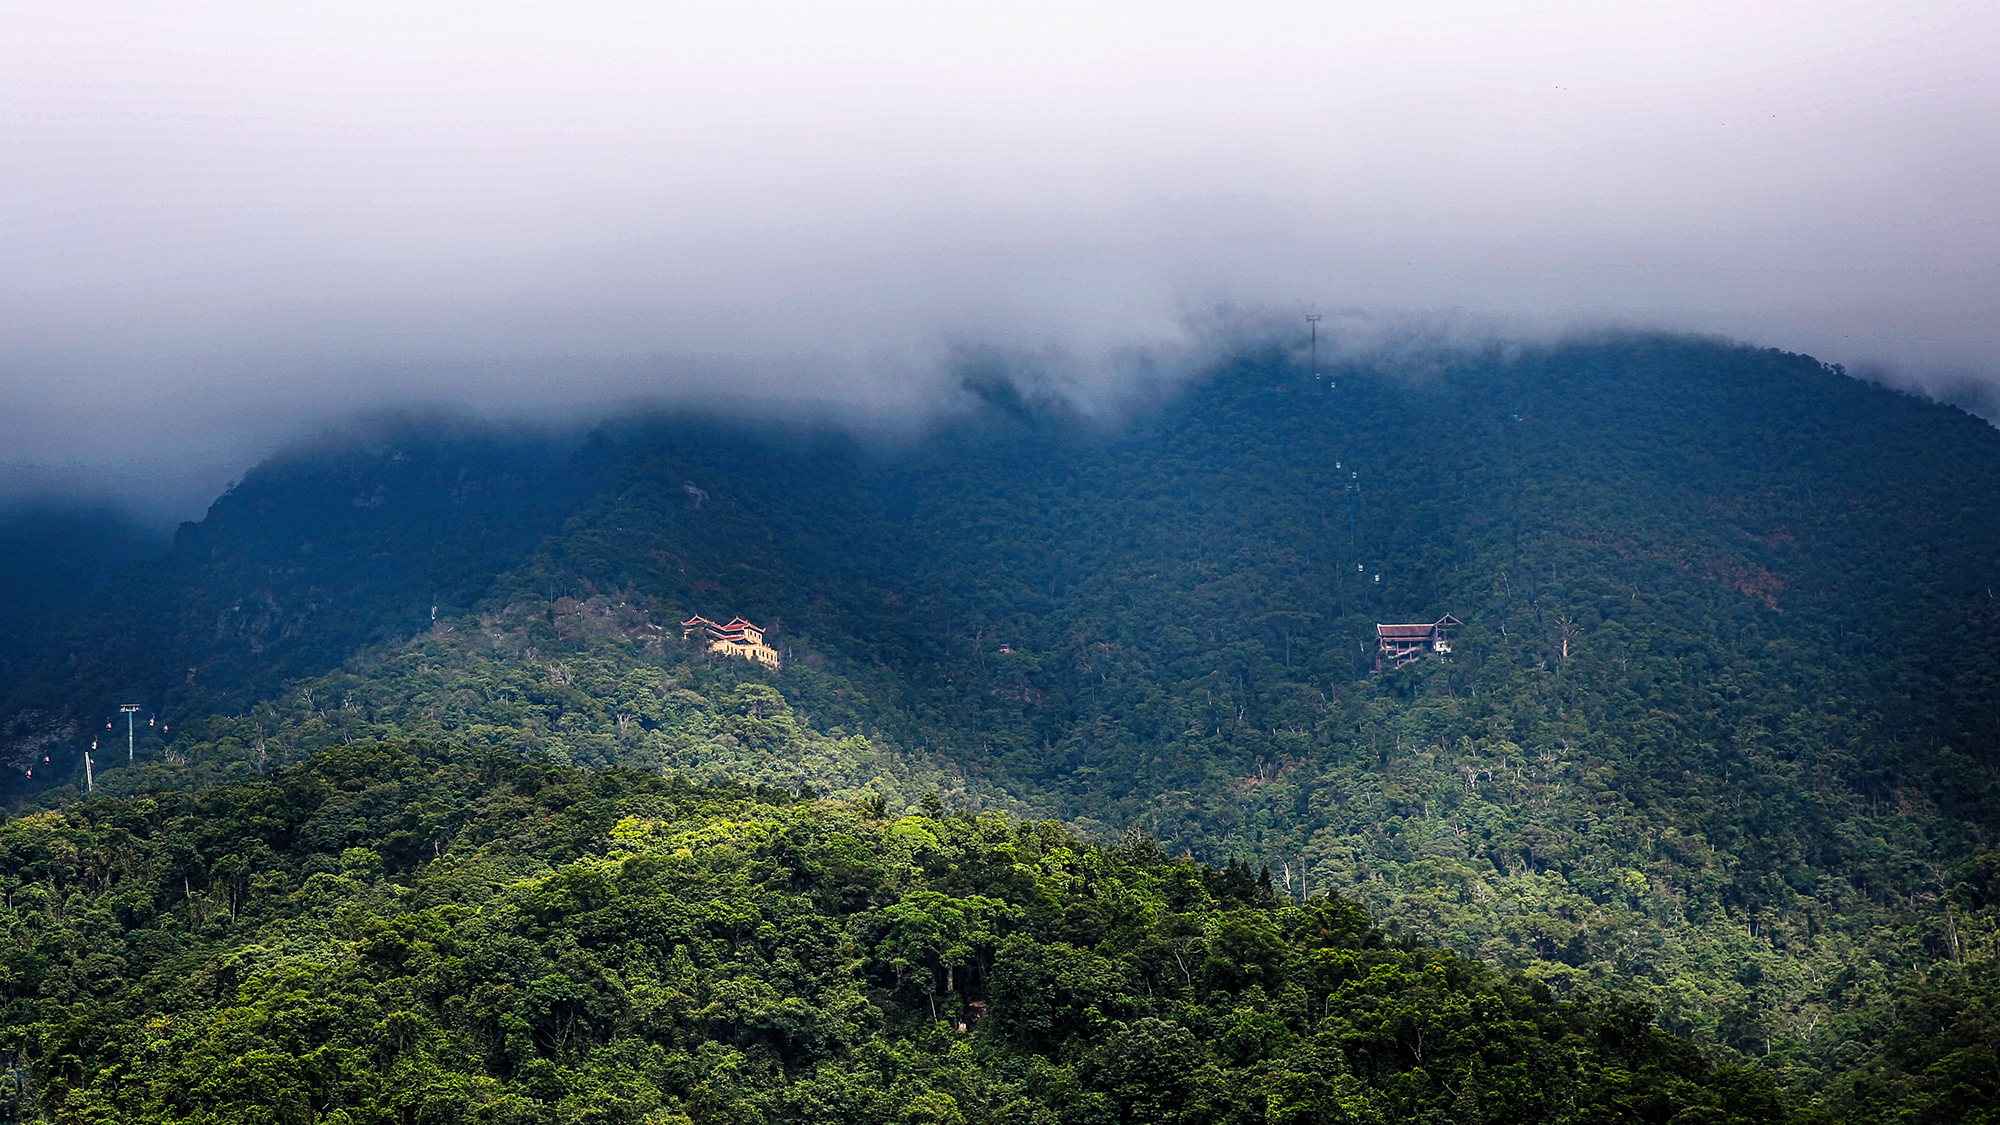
(1718, 736)
(389, 933)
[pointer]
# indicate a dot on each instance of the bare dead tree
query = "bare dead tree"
(1567, 629)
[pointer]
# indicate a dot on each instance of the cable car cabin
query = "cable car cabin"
(1406, 644)
(738, 638)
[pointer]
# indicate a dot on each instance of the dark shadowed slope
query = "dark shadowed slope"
(53, 557)
(313, 556)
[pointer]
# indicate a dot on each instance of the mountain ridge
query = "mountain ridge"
(1683, 747)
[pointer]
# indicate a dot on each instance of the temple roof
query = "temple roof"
(731, 632)
(1411, 631)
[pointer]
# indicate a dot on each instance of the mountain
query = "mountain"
(301, 564)
(54, 557)
(1717, 732)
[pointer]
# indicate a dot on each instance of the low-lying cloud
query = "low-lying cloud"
(224, 222)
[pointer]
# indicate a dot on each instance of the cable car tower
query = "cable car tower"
(130, 710)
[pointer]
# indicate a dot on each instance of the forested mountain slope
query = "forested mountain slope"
(390, 933)
(53, 557)
(309, 558)
(1718, 731)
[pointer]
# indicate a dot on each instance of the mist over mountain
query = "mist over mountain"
(235, 224)
(1713, 734)
(1281, 564)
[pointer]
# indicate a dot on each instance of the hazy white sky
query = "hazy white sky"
(218, 220)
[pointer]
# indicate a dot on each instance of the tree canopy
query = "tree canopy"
(407, 932)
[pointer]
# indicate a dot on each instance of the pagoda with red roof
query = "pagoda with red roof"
(738, 638)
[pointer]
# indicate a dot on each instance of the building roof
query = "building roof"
(734, 632)
(735, 626)
(1411, 631)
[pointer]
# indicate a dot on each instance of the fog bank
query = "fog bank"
(226, 222)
